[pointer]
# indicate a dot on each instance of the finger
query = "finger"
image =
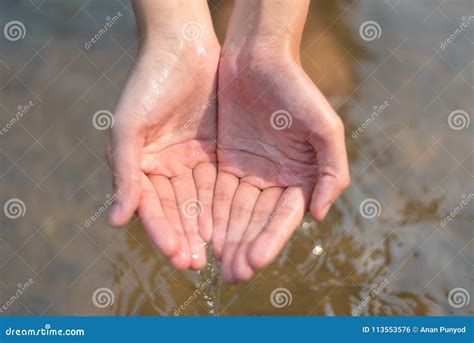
(333, 172)
(205, 179)
(240, 213)
(182, 260)
(286, 216)
(155, 220)
(190, 209)
(226, 185)
(261, 216)
(124, 158)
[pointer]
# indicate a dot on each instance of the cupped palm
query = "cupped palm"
(164, 150)
(280, 150)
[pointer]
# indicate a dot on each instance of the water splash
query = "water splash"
(210, 274)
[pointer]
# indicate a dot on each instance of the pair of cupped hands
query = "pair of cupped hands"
(224, 146)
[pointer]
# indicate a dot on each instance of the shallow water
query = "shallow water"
(408, 158)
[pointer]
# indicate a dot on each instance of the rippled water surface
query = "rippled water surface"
(408, 158)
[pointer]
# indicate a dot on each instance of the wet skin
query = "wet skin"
(234, 155)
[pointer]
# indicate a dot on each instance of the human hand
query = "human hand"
(280, 150)
(164, 139)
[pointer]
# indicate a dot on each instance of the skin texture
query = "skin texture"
(235, 154)
(271, 168)
(281, 146)
(163, 142)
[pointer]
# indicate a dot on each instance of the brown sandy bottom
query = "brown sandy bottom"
(403, 261)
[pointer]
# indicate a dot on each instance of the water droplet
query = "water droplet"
(318, 250)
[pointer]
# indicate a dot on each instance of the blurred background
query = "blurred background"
(398, 241)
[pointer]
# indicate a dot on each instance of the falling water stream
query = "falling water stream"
(210, 276)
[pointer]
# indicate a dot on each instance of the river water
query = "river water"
(397, 242)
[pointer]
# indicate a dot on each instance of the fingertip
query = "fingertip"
(241, 268)
(327, 190)
(124, 205)
(169, 245)
(117, 217)
(198, 252)
(198, 261)
(226, 272)
(217, 251)
(256, 259)
(181, 261)
(227, 275)
(319, 212)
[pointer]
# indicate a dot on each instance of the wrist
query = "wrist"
(262, 46)
(177, 23)
(266, 26)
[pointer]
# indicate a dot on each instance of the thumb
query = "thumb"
(124, 157)
(333, 171)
